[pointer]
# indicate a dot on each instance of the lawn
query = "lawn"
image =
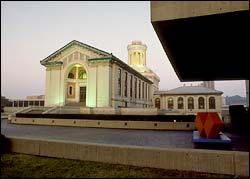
(27, 166)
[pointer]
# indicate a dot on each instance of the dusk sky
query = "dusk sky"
(31, 31)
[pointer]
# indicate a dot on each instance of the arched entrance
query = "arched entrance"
(76, 85)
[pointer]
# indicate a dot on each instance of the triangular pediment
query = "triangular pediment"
(71, 48)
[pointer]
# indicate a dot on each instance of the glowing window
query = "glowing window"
(170, 103)
(211, 103)
(82, 73)
(190, 103)
(157, 103)
(180, 103)
(201, 102)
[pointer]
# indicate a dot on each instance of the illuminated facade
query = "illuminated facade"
(78, 74)
(189, 100)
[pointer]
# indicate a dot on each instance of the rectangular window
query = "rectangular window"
(126, 85)
(131, 84)
(119, 82)
(143, 92)
(135, 88)
(139, 89)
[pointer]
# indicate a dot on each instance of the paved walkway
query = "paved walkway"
(149, 138)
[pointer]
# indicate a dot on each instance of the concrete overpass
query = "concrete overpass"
(204, 40)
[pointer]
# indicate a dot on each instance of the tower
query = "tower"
(137, 54)
(137, 60)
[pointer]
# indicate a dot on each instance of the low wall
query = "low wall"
(210, 161)
(106, 123)
(10, 110)
(122, 111)
(139, 111)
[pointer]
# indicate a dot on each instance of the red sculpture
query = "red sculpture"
(208, 124)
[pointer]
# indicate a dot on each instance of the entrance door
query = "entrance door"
(83, 95)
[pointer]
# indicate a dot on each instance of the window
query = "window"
(70, 90)
(143, 92)
(131, 85)
(139, 62)
(135, 88)
(201, 103)
(125, 85)
(146, 91)
(211, 103)
(157, 103)
(139, 89)
(82, 73)
(170, 103)
(71, 75)
(190, 103)
(180, 103)
(119, 82)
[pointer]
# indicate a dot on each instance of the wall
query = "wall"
(198, 160)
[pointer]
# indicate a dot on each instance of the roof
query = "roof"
(73, 42)
(112, 58)
(190, 90)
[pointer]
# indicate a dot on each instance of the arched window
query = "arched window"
(190, 103)
(71, 75)
(211, 103)
(170, 103)
(180, 103)
(82, 73)
(201, 102)
(158, 103)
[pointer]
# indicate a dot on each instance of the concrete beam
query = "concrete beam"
(169, 10)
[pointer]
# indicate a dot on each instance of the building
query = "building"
(79, 74)
(35, 97)
(189, 100)
(137, 60)
(208, 84)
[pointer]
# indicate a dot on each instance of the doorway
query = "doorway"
(83, 95)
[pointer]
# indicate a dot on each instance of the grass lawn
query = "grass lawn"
(27, 166)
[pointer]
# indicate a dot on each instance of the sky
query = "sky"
(31, 31)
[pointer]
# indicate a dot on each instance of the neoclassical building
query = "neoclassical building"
(86, 76)
(189, 100)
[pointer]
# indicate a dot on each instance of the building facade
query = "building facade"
(189, 100)
(84, 75)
